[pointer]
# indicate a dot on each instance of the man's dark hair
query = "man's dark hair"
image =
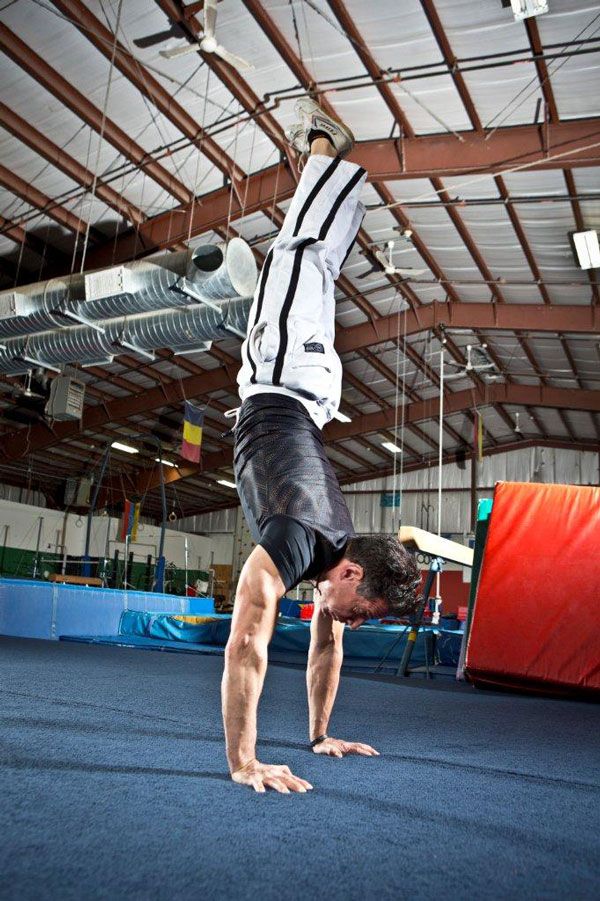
(390, 572)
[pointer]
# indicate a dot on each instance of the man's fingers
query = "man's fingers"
(278, 784)
(293, 782)
(280, 778)
(303, 783)
(296, 784)
(360, 748)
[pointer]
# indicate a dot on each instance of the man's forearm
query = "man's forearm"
(242, 684)
(322, 680)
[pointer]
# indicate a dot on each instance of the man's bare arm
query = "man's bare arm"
(252, 625)
(325, 658)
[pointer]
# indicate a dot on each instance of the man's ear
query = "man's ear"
(351, 571)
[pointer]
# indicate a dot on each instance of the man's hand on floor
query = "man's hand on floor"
(261, 776)
(335, 747)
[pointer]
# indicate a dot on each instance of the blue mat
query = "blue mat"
(289, 657)
(114, 785)
(364, 648)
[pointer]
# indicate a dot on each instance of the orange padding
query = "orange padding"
(537, 609)
(195, 620)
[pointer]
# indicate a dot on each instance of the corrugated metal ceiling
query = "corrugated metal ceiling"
(396, 35)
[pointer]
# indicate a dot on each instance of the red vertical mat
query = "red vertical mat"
(536, 622)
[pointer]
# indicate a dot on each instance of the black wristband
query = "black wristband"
(317, 741)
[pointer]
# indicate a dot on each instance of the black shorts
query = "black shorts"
(281, 468)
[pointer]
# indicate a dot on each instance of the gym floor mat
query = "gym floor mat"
(114, 785)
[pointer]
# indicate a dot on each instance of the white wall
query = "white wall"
(419, 491)
(19, 526)
(220, 526)
(225, 540)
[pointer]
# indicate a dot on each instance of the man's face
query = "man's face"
(340, 600)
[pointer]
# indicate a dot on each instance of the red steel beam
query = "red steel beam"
(443, 155)
(507, 316)
(541, 67)
(451, 61)
(39, 143)
(460, 401)
(544, 78)
(420, 411)
(381, 472)
(64, 91)
(437, 155)
(105, 41)
(580, 223)
(59, 263)
(45, 204)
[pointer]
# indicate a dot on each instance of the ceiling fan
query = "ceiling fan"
(387, 263)
(28, 390)
(208, 42)
(477, 362)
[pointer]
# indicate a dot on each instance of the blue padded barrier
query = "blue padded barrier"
(32, 609)
(291, 638)
(159, 625)
(447, 647)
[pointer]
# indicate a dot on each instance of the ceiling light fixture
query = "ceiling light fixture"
(393, 448)
(588, 251)
(524, 9)
(165, 462)
(124, 447)
(226, 483)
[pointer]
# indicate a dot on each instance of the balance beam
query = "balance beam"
(435, 546)
(75, 580)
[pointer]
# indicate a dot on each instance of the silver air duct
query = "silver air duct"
(214, 271)
(192, 328)
(101, 305)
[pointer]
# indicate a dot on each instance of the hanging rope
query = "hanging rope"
(535, 81)
(101, 137)
(471, 181)
(198, 158)
(396, 396)
(231, 187)
(404, 364)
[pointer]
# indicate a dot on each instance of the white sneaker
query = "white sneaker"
(313, 118)
(297, 137)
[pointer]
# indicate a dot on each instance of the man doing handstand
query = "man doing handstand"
(290, 386)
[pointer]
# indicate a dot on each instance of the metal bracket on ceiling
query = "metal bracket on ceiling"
(31, 361)
(184, 286)
(99, 361)
(120, 342)
(203, 347)
(77, 317)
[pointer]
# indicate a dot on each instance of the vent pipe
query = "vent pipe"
(216, 271)
(177, 301)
